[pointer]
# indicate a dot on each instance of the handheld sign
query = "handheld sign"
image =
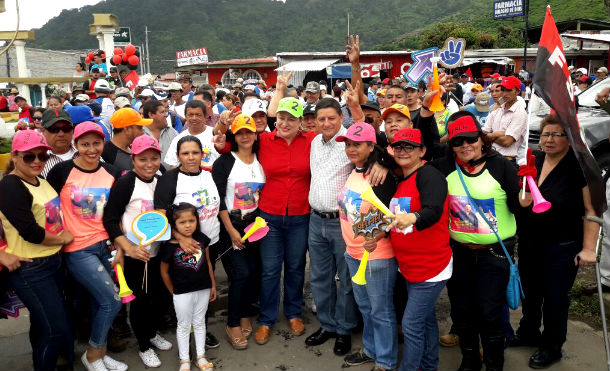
(148, 227)
(422, 65)
(452, 53)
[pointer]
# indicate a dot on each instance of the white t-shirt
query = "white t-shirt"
(244, 185)
(209, 152)
(141, 201)
(178, 108)
(467, 90)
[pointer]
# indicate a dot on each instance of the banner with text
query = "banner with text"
(508, 9)
(191, 56)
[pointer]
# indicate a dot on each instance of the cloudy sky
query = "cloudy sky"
(35, 13)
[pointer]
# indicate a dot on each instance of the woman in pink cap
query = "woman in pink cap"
(81, 183)
(362, 226)
(29, 209)
(132, 194)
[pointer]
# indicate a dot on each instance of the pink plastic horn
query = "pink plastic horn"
(540, 204)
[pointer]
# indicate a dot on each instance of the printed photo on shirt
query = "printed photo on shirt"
(465, 218)
(247, 195)
(186, 260)
(146, 205)
(206, 160)
(401, 205)
(53, 222)
(349, 204)
(85, 201)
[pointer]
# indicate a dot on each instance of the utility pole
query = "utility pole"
(526, 3)
(347, 24)
(147, 50)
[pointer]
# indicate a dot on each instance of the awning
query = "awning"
(307, 65)
(598, 38)
(496, 60)
(344, 70)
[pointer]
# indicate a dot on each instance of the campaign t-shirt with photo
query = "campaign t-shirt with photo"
(188, 272)
(198, 189)
(80, 193)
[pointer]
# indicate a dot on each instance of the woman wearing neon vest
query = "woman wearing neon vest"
(548, 262)
(421, 243)
(80, 183)
(362, 226)
(29, 211)
(477, 289)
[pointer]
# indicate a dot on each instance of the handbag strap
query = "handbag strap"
(475, 203)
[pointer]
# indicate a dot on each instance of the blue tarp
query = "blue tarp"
(340, 71)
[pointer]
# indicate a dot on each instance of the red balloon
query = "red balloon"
(124, 57)
(133, 60)
(103, 55)
(87, 60)
(118, 51)
(130, 49)
(90, 55)
(116, 59)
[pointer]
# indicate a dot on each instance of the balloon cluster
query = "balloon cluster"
(129, 57)
(92, 55)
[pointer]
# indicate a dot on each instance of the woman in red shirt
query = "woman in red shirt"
(420, 239)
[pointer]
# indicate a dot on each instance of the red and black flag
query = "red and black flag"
(552, 82)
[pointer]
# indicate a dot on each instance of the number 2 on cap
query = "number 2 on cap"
(358, 130)
(295, 105)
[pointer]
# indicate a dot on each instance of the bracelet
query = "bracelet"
(357, 69)
(425, 107)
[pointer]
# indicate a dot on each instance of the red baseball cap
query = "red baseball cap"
(511, 82)
(144, 142)
(464, 126)
(385, 81)
(88, 127)
(496, 76)
(26, 140)
(359, 132)
(408, 135)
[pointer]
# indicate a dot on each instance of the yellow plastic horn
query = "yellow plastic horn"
(124, 290)
(258, 224)
(370, 196)
(436, 105)
(360, 277)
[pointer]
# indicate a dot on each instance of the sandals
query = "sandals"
(204, 365)
(185, 366)
(236, 342)
(246, 331)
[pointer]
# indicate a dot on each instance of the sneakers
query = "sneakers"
(358, 358)
(210, 341)
(114, 365)
(161, 343)
(150, 358)
(97, 365)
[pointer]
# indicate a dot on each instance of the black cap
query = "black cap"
(51, 116)
(374, 82)
(95, 70)
(310, 109)
(371, 105)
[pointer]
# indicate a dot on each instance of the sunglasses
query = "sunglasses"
(37, 118)
(458, 142)
(28, 158)
(407, 148)
(65, 129)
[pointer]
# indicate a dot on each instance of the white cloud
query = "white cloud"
(35, 13)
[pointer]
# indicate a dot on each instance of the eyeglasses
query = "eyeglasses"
(28, 158)
(65, 129)
(37, 118)
(407, 148)
(458, 142)
(554, 135)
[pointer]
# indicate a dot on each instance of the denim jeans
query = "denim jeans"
(90, 267)
(419, 326)
(285, 244)
(547, 275)
(245, 281)
(336, 308)
(374, 299)
(39, 286)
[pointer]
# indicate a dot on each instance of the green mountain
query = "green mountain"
(254, 28)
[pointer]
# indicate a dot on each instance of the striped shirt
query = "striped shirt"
(330, 169)
(55, 159)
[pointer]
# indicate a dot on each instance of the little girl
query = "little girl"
(190, 279)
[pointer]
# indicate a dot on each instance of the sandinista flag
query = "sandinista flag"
(553, 83)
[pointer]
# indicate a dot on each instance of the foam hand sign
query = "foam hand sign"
(148, 227)
(452, 53)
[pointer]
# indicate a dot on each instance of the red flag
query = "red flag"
(552, 82)
(469, 73)
(131, 80)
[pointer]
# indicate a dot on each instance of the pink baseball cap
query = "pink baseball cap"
(359, 132)
(144, 142)
(26, 140)
(88, 127)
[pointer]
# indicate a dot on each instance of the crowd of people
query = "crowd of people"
(447, 210)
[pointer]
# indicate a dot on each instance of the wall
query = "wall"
(215, 74)
(41, 63)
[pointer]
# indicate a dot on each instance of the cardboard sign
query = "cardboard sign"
(452, 53)
(422, 65)
(148, 227)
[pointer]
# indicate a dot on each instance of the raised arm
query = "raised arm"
(352, 51)
(280, 91)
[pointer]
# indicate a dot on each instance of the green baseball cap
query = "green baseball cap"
(291, 105)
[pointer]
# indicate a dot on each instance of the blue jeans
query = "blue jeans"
(90, 267)
(336, 308)
(374, 299)
(39, 286)
(286, 243)
(419, 326)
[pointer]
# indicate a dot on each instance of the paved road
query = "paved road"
(583, 351)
